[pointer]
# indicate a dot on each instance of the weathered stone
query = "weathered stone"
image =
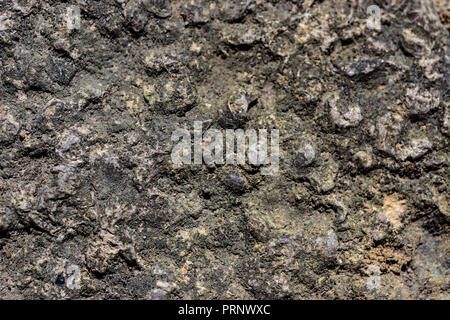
(305, 155)
(92, 206)
(324, 176)
(328, 244)
(362, 67)
(413, 44)
(136, 15)
(364, 159)
(344, 114)
(420, 101)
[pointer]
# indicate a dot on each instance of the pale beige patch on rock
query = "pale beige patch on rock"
(394, 208)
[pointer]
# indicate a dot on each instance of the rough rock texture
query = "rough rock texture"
(92, 207)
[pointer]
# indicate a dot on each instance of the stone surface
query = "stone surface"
(91, 206)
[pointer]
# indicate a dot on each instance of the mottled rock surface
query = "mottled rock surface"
(91, 207)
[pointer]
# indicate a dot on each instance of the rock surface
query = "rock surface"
(92, 207)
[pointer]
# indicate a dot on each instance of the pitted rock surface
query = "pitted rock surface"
(91, 206)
